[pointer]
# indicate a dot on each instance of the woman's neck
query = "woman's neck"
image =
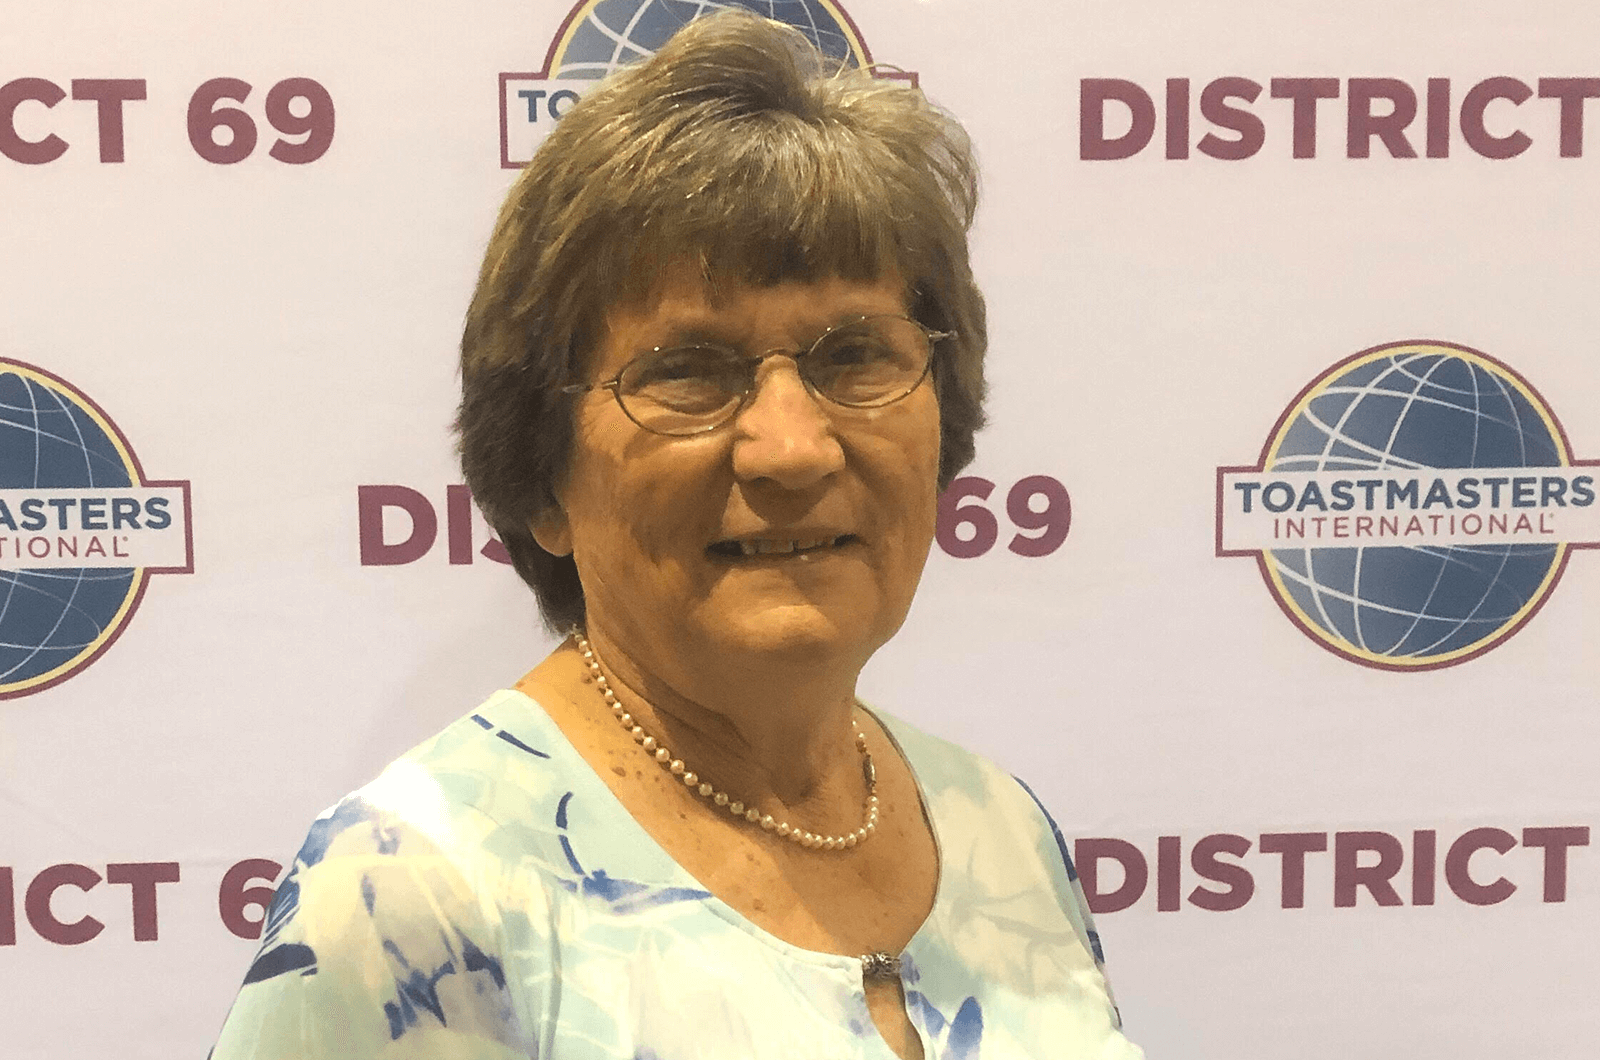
(778, 737)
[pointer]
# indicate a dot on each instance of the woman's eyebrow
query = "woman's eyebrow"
(694, 333)
(711, 332)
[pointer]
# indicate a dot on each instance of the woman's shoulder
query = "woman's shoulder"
(948, 770)
(976, 803)
(446, 804)
(391, 909)
(500, 760)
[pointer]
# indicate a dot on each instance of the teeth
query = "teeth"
(768, 548)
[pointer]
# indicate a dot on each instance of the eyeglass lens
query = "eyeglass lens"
(863, 364)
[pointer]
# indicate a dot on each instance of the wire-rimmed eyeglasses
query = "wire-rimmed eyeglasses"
(864, 363)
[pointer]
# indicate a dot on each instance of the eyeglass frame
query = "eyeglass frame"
(614, 384)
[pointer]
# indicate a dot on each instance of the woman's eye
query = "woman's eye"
(671, 368)
(690, 381)
(681, 366)
(854, 352)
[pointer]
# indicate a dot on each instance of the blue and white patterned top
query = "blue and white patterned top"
(487, 897)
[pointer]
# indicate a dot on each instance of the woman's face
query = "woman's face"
(659, 526)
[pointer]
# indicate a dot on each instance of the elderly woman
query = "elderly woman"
(724, 352)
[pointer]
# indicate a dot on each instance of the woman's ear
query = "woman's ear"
(551, 530)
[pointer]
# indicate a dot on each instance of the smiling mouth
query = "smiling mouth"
(778, 546)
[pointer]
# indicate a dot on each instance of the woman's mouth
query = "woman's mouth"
(777, 546)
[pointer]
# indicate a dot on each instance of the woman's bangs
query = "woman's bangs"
(798, 209)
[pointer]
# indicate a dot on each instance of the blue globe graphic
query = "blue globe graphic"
(614, 33)
(1416, 407)
(50, 618)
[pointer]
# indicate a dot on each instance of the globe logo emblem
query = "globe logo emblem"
(80, 530)
(1414, 507)
(599, 36)
(606, 34)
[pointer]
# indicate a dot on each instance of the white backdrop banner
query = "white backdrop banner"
(1310, 285)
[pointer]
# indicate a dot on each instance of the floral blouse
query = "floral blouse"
(487, 897)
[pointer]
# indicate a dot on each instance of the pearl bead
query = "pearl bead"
(676, 766)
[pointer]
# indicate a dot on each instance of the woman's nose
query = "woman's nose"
(783, 433)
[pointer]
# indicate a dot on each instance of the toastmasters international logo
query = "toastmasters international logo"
(81, 530)
(1414, 506)
(599, 36)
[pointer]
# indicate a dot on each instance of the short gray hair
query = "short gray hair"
(740, 149)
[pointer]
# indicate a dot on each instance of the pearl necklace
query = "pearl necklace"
(721, 799)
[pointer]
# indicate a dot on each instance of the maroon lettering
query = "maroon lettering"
(1087, 854)
(109, 94)
(12, 145)
(1349, 874)
(1293, 847)
(1555, 843)
(37, 904)
(953, 514)
(1214, 107)
(371, 501)
(1305, 91)
(1362, 125)
(1571, 91)
(8, 908)
(1424, 865)
(316, 126)
(141, 878)
(235, 896)
(1236, 878)
(1438, 117)
(1093, 95)
(1177, 117)
(1457, 866)
(1477, 101)
(206, 117)
(1169, 866)
(458, 522)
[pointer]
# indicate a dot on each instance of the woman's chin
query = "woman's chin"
(795, 632)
